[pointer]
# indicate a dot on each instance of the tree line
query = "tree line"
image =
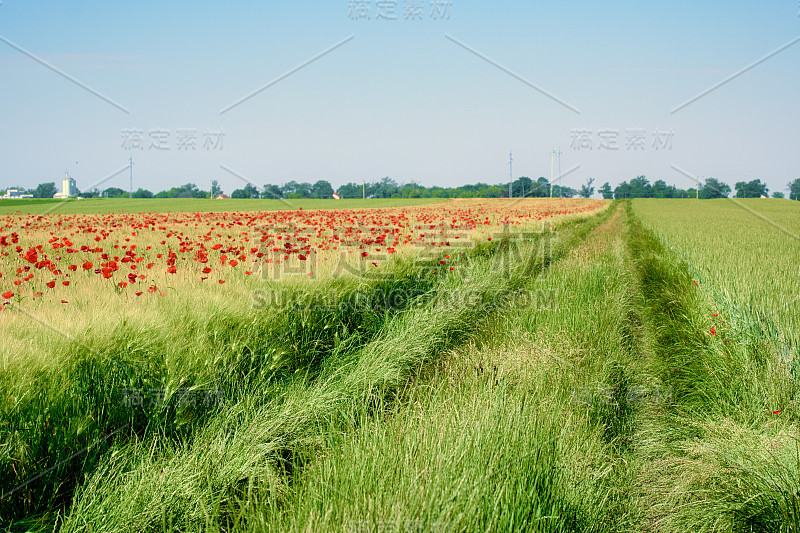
(639, 187)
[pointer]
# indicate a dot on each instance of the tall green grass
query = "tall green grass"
(61, 414)
(433, 401)
(718, 459)
(184, 349)
(524, 428)
(744, 253)
(255, 446)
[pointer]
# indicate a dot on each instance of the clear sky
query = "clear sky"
(399, 98)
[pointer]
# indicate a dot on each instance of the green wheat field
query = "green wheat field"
(625, 366)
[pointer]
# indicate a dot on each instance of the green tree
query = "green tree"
(586, 189)
(271, 192)
(216, 190)
(539, 188)
(385, 188)
(45, 190)
(714, 188)
(794, 190)
(606, 191)
(350, 190)
(490, 191)
(188, 190)
(751, 189)
(113, 192)
(623, 190)
(250, 191)
(778, 194)
(142, 193)
(561, 191)
(294, 189)
(321, 189)
(522, 187)
(641, 188)
(410, 190)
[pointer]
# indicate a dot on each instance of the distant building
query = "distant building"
(336, 196)
(15, 193)
(223, 197)
(68, 188)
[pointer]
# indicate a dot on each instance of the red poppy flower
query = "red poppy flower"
(172, 270)
(713, 331)
(87, 265)
(221, 281)
(37, 294)
(138, 293)
(8, 295)
(64, 302)
(65, 283)
(206, 270)
(777, 412)
(50, 284)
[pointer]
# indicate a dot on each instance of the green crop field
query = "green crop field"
(564, 365)
(182, 205)
(746, 251)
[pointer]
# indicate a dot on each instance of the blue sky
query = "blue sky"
(399, 98)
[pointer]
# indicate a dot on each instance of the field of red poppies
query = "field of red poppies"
(60, 258)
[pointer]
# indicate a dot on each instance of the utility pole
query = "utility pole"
(510, 176)
(553, 155)
(363, 190)
(559, 165)
(130, 160)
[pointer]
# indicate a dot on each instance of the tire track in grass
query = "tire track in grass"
(308, 333)
(492, 437)
(87, 392)
(714, 460)
(251, 446)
